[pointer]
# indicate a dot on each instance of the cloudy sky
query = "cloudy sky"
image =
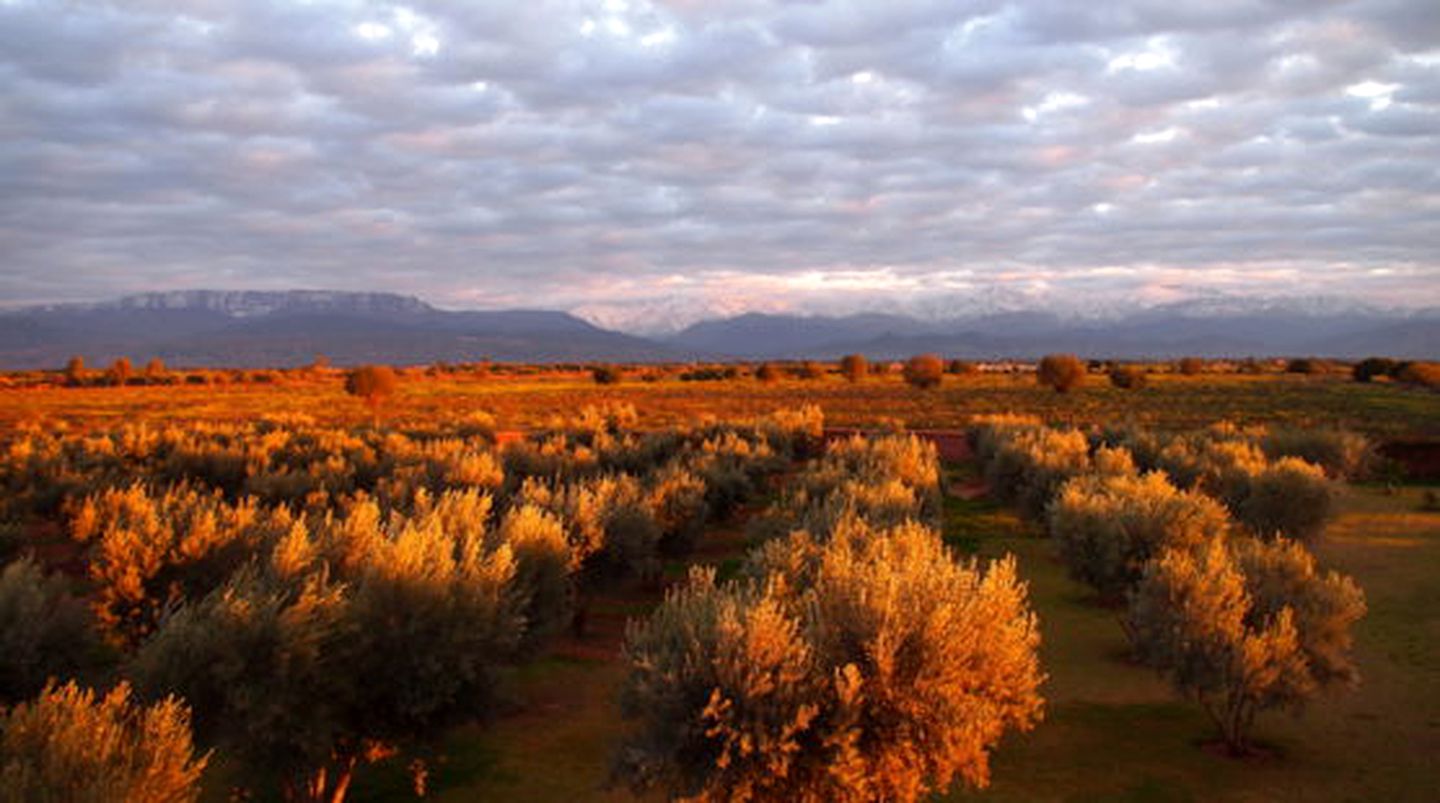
(653, 160)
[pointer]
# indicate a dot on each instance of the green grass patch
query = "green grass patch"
(1115, 731)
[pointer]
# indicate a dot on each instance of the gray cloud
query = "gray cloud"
(632, 158)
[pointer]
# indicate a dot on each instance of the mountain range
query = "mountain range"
(257, 328)
(282, 329)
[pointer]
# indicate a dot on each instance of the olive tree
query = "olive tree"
(1289, 497)
(342, 647)
(1246, 627)
(871, 667)
(1108, 527)
(68, 745)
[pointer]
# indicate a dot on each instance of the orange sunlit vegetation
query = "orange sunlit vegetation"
(309, 597)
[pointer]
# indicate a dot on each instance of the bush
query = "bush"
(810, 370)
(149, 553)
(1245, 629)
(872, 668)
(1128, 377)
(1108, 527)
(1063, 372)
(1305, 365)
(795, 433)
(1420, 374)
(676, 495)
(373, 384)
(1030, 466)
(962, 368)
(1344, 455)
(924, 371)
(1290, 498)
(155, 372)
(343, 646)
(883, 481)
(1190, 366)
(75, 373)
(44, 632)
(610, 526)
(543, 567)
(768, 372)
(69, 746)
(1371, 367)
(606, 375)
(854, 367)
(120, 372)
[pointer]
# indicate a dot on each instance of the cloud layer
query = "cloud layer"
(656, 160)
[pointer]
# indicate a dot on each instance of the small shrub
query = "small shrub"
(67, 745)
(1190, 366)
(962, 368)
(1371, 367)
(1128, 377)
(75, 373)
(1344, 455)
(44, 631)
(543, 566)
(1063, 372)
(155, 372)
(1420, 374)
(854, 367)
(924, 371)
(372, 384)
(810, 370)
(606, 375)
(768, 372)
(119, 372)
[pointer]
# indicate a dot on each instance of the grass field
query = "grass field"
(1112, 731)
(1170, 401)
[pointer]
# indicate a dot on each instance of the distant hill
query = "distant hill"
(1271, 329)
(245, 329)
(211, 328)
(760, 335)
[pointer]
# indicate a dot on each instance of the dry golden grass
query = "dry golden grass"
(1168, 401)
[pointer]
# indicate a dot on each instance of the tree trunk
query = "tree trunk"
(342, 782)
(316, 787)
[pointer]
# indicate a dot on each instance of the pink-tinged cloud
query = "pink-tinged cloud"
(651, 161)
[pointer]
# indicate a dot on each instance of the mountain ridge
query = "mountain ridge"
(278, 328)
(287, 328)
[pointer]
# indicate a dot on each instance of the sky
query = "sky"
(648, 163)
